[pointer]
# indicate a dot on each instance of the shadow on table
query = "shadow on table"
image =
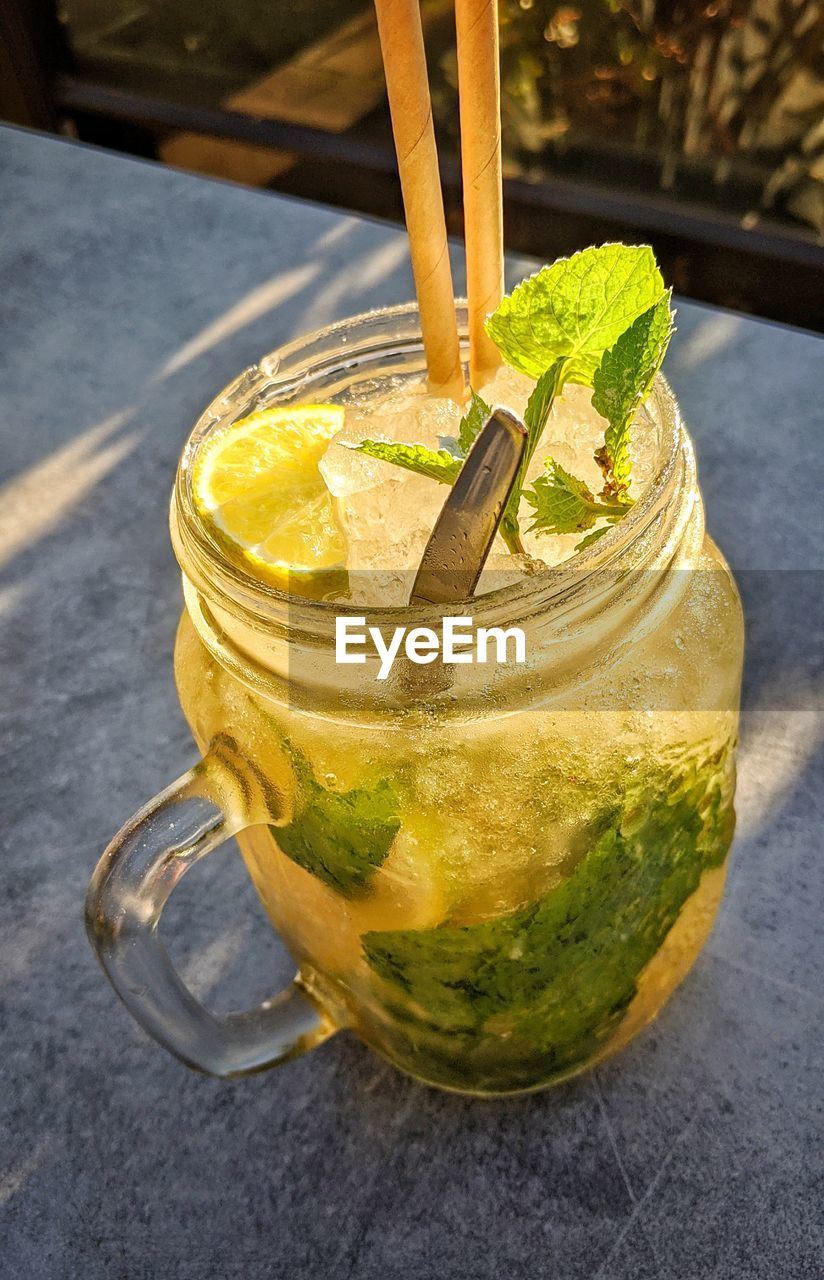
(123, 1162)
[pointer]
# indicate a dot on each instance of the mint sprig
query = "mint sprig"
(611, 282)
(600, 318)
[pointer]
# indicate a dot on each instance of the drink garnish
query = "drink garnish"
(436, 464)
(342, 837)
(622, 382)
(259, 493)
(563, 504)
(560, 973)
(471, 423)
(576, 308)
(600, 318)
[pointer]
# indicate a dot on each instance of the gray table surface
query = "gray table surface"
(128, 295)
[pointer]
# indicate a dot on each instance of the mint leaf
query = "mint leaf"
(577, 308)
(471, 423)
(621, 384)
(342, 837)
(437, 464)
(564, 504)
(560, 973)
(592, 537)
(535, 416)
(540, 403)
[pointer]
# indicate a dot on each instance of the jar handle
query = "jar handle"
(127, 894)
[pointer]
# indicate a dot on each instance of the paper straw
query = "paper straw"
(479, 86)
(404, 60)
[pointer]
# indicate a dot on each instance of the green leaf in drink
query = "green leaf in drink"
(593, 537)
(436, 464)
(622, 382)
(577, 308)
(342, 837)
(560, 973)
(564, 504)
(471, 423)
(535, 416)
(540, 403)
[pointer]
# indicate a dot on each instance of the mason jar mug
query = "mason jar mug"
(494, 876)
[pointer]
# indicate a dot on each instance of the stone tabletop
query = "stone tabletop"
(128, 295)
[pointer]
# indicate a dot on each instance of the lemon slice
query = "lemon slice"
(259, 492)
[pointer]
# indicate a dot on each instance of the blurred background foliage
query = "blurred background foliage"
(720, 103)
(697, 127)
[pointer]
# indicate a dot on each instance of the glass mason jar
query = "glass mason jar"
(495, 877)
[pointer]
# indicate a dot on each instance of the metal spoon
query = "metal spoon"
(462, 538)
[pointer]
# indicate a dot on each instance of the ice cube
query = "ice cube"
(508, 389)
(387, 527)
(412, 417)
(346, 470)
(388, 513)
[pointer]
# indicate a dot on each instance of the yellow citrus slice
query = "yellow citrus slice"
(258, 490)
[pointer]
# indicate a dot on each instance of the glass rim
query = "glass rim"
(262, 599)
